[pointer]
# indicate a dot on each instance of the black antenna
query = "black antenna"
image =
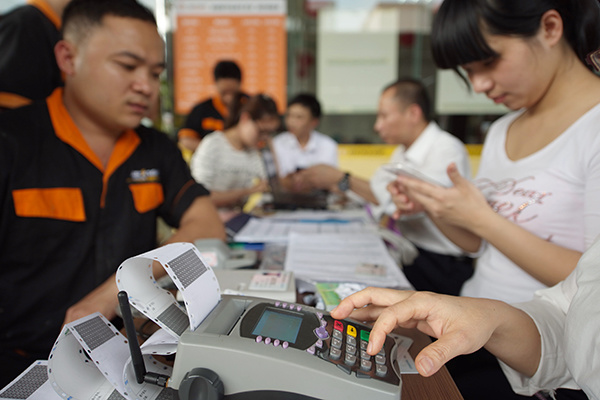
(137, 359)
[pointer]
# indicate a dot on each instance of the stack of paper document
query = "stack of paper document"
(358, 257)
(277, 228)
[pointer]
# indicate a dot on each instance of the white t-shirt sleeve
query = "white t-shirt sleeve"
(552, 371)
(203, 159)
(565, 317)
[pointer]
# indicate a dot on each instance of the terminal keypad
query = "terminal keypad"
(347, 348)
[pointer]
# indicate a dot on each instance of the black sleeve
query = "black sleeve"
(194, 121)
(27, 65)
(7, 161)
(180, 189)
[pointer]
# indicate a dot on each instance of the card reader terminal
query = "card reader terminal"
(257, 345)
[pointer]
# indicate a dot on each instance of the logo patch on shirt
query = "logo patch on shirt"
(144, 175)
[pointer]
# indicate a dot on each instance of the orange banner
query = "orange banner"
(250, 32)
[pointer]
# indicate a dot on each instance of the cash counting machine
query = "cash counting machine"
(254, 348)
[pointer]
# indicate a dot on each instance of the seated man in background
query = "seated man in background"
(210, 114)
(403, 119)
(302, 146)
(28, 69)
(81, 191)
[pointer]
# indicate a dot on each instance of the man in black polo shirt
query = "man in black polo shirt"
(82, 184)
(28, 69)
(210, 114)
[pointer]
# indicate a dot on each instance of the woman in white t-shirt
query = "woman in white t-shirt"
(536, 197)
(534, 205)
(228, 162)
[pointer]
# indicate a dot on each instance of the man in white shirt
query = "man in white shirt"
(301, 146)
(403, 118)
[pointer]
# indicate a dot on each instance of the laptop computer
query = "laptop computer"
(286, 200)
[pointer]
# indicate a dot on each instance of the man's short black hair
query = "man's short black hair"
(227, 69)
(309, 101)
(81, 15)
(411, 91)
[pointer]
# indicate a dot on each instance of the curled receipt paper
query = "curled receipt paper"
(192, 275)
(90, 360)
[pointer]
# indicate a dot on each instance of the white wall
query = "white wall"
(6, 5)
(453, 97)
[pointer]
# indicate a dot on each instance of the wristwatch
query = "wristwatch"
(344, 183)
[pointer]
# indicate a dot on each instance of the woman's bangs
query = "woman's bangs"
(457, 38)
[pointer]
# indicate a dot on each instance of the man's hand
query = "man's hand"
(320, 176)
(102, 299)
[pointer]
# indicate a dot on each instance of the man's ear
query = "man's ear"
(65, 53)
(415, 112)
(314, 123)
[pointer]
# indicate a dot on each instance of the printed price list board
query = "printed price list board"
(249, 32)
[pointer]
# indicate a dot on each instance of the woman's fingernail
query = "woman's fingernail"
(426, 365)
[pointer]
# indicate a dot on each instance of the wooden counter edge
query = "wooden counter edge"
(440, 386)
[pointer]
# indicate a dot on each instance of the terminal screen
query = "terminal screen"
(278, 325)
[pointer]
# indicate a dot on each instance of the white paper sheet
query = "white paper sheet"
(269, 230)
(360, 257)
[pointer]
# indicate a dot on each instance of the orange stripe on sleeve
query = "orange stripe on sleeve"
(212, 124)
(12, 100)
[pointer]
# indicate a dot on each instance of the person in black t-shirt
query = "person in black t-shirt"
(210, 114)
(28, 69)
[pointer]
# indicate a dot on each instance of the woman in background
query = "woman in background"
(227, 162)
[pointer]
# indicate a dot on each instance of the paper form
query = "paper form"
(277, 228)
(358, 257)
